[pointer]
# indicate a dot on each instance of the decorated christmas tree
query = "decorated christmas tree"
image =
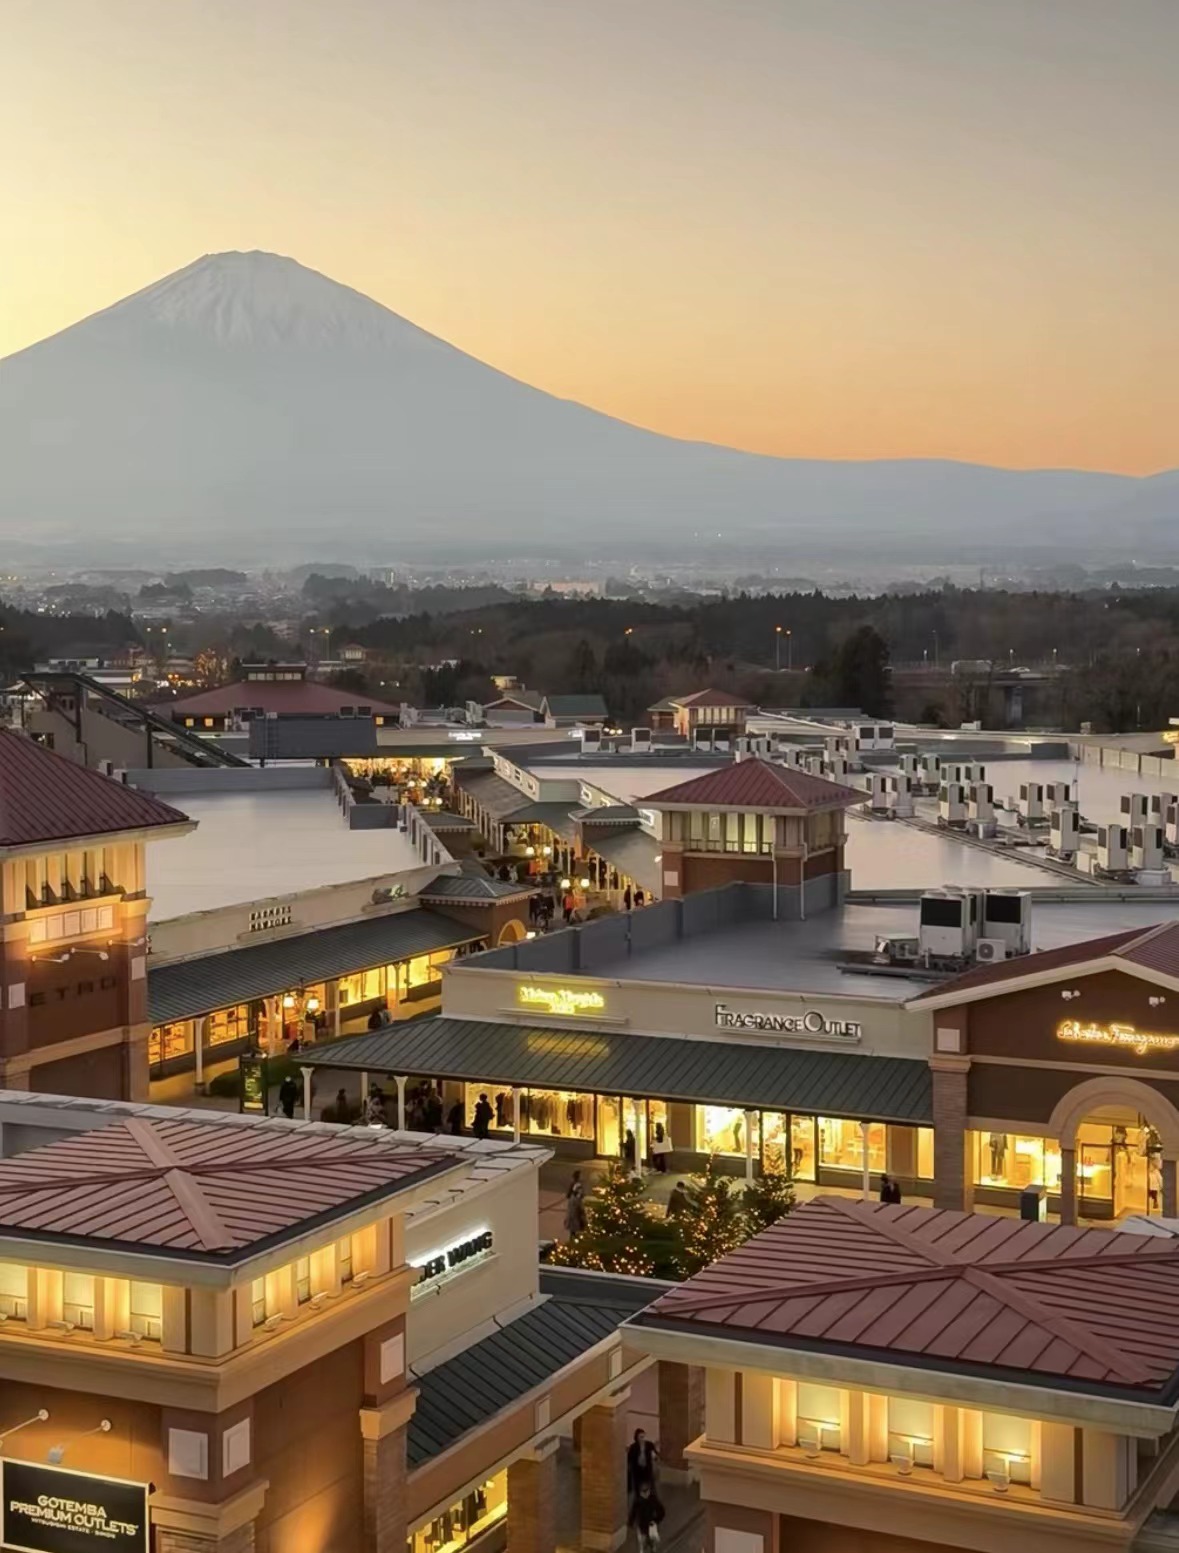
(618, 1223)
(767, 1199)
(711, 1223)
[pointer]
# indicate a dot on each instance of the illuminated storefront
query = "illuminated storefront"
(465, 1520)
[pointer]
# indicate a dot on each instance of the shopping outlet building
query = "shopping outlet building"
(895, 1378)
(266, 1337)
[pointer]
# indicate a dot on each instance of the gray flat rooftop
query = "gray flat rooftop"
(805, 956)
(254, 845)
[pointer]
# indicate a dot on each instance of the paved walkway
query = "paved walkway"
(681, 1532)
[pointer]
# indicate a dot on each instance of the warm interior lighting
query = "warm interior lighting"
(288, 1000)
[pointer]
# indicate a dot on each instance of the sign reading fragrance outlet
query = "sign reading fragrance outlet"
(50, 1510)
(811, 1023)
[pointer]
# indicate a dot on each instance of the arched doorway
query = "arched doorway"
(512, 932)
(1119, 1143)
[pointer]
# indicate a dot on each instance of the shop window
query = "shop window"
(228, 1024)
(820, 1409)
(788, 1143)
(910, 1431)
(258, 1301)
(1012, 1160)
(303, 1280)
(466, 1519)
(77, 1303)
(344, 1259)
(166, 1041)
(722, 1130)
(147, 1310)
(841, 1144)
(925, 1153)
(549, 1113)
(14, 1291)
(1007, 1447)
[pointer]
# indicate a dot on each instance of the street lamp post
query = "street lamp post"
(778, 649)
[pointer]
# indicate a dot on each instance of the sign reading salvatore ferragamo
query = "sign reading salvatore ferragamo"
(812, 1023)
(1128, 1037)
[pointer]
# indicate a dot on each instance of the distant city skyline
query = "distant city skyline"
(812, 228)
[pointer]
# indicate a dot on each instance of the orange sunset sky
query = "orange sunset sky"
(819, 228)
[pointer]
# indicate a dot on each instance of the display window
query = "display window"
(841, 1144)
(788, 1144)
(925, 1153)
(147, 1310)
(77, 1300)
(1015, 1160)
(465, 1520)
(549, 1113)
(1007, 1447)
(722, 1130)
(228, 1024)
(167, 1041)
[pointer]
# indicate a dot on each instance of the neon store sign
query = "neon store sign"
(1127, 1037)
(561, 1000)
(440, 1266)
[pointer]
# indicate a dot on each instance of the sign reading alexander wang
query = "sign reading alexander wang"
(51, 1510)
(810, 1023)
(448, 1260)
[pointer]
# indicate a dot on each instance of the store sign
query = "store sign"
(49, 1510)
(457, 1258)
(1125, 1036)
(561, 1000)
(810, 1023)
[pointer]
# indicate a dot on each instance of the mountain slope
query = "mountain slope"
(246, 398)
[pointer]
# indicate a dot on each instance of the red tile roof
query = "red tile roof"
(1153, 949)
(205, 1188)
(45, 797)
(287, 698)
(758, 784)
(957, 1290)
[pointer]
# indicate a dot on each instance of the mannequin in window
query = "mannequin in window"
(998, 1147)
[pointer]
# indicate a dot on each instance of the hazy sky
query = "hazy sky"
(837, 228)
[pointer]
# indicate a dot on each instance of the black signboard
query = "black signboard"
(50, 1510)
(255, 1086)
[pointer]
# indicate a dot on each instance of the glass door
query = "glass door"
(609, 1130)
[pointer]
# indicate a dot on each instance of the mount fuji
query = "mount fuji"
(246, 401)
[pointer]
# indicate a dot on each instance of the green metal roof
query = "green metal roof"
(190, 988)
(590, 705)
(720, 1072)
(470, 1389)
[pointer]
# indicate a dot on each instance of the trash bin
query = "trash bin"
(1033, 1204)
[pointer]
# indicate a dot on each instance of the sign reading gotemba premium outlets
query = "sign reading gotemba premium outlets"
(568, 1001)
(810, 1023)
(1128, 1037)
(49, 1510)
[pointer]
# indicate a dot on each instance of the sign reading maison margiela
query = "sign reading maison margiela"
(51, 1510)
(811, 1023)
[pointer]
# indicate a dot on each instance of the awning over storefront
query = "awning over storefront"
(633, 853)
(194, 987)
(499, 798)
(770, 1078)
(522, 1356)
(554, 816)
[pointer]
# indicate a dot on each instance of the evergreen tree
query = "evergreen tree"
(618, 1222)
(766, 1200)
(860, 672)
(712, 1223)
(581, 672)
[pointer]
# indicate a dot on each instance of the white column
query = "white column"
(750, 1119)
(336, 1012)
(306, 1072)
(867, 1167)
(363, 1094)
(399, 1080)
(515, 1115)
(199, 1026)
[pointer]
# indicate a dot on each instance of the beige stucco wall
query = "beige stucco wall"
(660, 1008)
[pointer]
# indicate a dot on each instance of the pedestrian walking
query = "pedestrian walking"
(455, 1119)
(641, 1456)
(645, 1516)
(640, 898)
(575, 1206)
(288, 1096)
(568, 906)
(481, 1120)
(374, 1108)
(678, 1203)
(660, 1148)
(630, 1149)
(890, 1190)
(627, 899)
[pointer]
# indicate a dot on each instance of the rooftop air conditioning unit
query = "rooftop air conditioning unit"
(591, 741)
(1031, 803)
(980, 806)
(897, 951)
(951, 805)
(1135, 809)
(702, 739)
(1146, 847)
(948, 924)
(1007, 915)
(1113, 856)
(988, 950)
(1065, 835)
(1160, 804)
(640, 740)
(1058, 794)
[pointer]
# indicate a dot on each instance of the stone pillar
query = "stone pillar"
(200, 1526)
(532, 1501)
(383, 1430)
(170, 1540)
(681, 1416)
(1068, 1186)
(1170, 1203)
(953, 1184)
(603, 1475)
